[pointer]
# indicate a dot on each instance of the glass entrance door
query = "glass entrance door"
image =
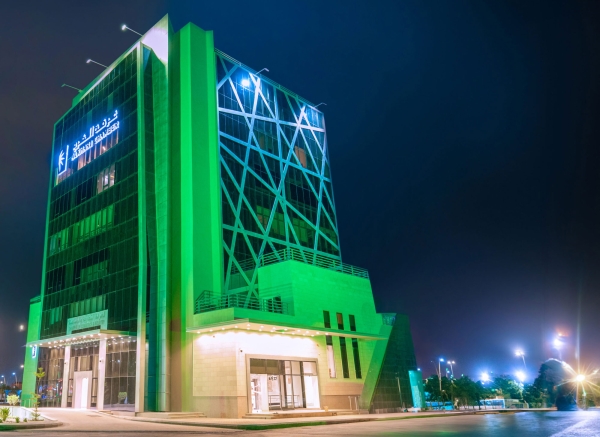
(283, 384)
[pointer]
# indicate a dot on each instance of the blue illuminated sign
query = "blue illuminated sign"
(95, 135)
(62, 160)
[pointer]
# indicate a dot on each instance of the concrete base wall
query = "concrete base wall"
(221, 374)
(220, 406)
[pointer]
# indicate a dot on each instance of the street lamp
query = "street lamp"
(3, 378)
(520, 376)
(451, 368)
(558, 344)
(520, 353)
(578, 379)
(485, 377)
(15, 375)
(440, 373)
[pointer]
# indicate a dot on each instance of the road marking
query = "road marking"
(570, 429)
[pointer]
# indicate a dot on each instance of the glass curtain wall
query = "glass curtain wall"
(50, 387)
(92, 262)
(119, 383)
(275, 175)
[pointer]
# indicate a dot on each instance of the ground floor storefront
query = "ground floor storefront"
(91, 374)
(283, 385)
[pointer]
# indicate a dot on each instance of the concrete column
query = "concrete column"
(66, 369)
(101, 374)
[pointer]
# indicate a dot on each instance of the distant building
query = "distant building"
(192, 258)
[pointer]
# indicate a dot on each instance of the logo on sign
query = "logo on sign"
(33, 351)
(63, 156)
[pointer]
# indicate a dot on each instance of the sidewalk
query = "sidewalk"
(258, 424)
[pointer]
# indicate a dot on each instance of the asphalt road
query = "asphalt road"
(530, 424)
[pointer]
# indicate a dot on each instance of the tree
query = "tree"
(532, 395)
(38, 375)
(506, 386)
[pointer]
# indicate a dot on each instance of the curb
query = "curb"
(29, 425)
(267, 426)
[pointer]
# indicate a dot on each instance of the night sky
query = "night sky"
(464, 139)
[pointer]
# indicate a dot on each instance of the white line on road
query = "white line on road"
(569, 430)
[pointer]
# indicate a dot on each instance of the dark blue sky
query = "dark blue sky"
(463, 139)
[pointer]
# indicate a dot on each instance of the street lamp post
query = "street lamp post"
(520, 353)
(15, 375)
(558, 344)
(451, 368)
(578, 380)
(440, 374)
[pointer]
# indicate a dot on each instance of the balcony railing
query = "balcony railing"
(325, 262)
(205, 303)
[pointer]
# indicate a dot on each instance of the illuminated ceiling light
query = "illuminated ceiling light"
(236, 326)
(245, 83)
(580, 378)
(211, 330)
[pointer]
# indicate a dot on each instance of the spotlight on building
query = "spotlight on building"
(124, 28)
(98, 63)
(69, 86)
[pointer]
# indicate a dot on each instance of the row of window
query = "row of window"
(343, 347)
(82, 230)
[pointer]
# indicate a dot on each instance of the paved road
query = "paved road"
(550, 424)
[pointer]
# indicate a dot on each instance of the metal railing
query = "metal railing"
(205, 303)
(325, 262)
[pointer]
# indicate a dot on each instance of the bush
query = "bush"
(4, 412)
(25, 420)
(17, 419)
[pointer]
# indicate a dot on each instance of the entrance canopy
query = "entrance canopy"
(272, 327)
(81, 337)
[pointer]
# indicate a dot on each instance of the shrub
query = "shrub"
(25, 420)
(4, 412)
(12, 400)
(17, 419)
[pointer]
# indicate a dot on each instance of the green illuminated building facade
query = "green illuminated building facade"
(192, 259)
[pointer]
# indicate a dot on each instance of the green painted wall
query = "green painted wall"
(197, 263)
(30, 364)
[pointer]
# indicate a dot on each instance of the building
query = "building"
(192, 259)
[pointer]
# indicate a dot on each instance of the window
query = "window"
(59, 241)
(301, 155)
(93, 224)
(355, 350)
(329, 343)
(356, 358)
(344, 357)
(340, 320)
(94, 272)
(106, 179)
(326, 319)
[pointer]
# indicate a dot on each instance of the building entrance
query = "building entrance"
(283, 384)
(83, 392)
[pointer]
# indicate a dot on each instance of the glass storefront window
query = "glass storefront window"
(283, 384)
